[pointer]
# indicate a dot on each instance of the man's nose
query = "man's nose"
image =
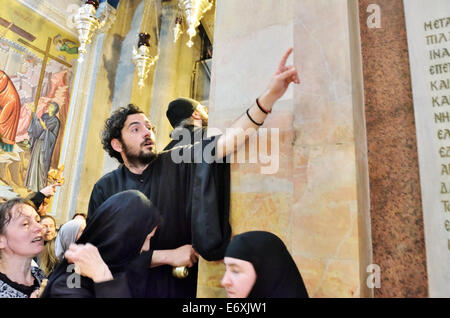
(147, 132)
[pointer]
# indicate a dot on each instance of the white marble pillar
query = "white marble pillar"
(165, 76)
(75, 134)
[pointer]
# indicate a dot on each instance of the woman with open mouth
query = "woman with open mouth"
(21, 239)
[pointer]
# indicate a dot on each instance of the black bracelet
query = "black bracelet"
(257, 124)
(262, 109)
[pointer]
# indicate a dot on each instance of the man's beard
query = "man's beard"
(140, 158)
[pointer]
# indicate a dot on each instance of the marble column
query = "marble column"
(104, 79)
(75, 134)
(311, 202)
(165, 76)
(395, 197)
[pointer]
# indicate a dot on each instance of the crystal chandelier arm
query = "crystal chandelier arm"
(87, 23)
(194, 11)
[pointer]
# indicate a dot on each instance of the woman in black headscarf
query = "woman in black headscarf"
(258, 265)
(120, 229)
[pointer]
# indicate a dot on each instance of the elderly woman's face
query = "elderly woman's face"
(23, 234)
(239, 278)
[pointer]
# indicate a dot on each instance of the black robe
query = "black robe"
(194, 202)
(277, 275)
(118, 230)
(193, 134)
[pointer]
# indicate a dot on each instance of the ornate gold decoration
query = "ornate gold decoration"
(194, 11)
(55, 175)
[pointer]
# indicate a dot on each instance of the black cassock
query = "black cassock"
(193, 197)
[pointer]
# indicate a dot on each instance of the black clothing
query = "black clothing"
(180, 109)
(187, 135)
(118, 229)
(36, 198)
(277, 275)
(194, 202)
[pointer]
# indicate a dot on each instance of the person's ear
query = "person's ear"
(2, 242)
(116, 145)
(196, 115)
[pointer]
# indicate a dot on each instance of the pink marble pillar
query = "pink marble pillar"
(395, 196)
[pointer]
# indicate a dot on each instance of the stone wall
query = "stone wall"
(311, 201)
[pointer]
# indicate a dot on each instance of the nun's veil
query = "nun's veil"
(277, 275)
(118, 229)
(120, 226)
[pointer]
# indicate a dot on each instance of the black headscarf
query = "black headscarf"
(277, 275)
(118, 229)
(180, 109)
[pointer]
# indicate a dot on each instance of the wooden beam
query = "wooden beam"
(45, 53)
(14, 28)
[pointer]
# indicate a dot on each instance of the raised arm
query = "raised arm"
(256, 114)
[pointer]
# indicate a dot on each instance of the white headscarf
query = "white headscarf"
(67, 235)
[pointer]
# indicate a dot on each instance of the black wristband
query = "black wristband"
(262, 109)
(248, 115)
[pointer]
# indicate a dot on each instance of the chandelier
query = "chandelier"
(194, 11)
(142, 58)
(87, 22)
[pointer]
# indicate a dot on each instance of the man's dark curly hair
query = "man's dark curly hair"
(113, 128)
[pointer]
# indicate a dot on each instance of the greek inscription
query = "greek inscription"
(443, 134)
(444, 189)
(447, 225)
(440, 69)
(437, 38)
(442, 117)
(439, 54)
(444, 152)
(437, 24)
(439, 101)
(446, 205)
(440, 85)
(445, 169)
